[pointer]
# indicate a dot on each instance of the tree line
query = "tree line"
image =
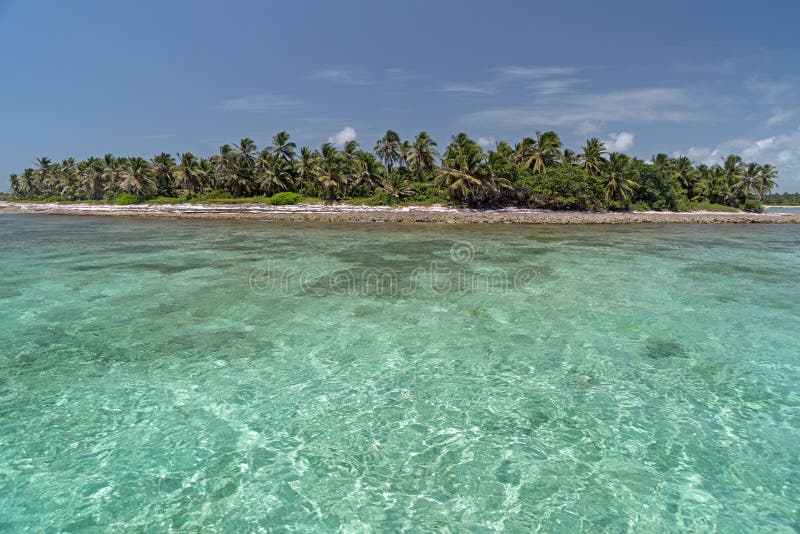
(537, 171)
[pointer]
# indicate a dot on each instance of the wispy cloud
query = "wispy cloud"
(517, 72)
(341, 76)
(543, 80)
(343, 136)
(779, 117)
(554, 87)
(257, 103)
(641, 105)
(468, 89)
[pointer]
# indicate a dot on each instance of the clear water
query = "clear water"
(782, 209)
(154, 375)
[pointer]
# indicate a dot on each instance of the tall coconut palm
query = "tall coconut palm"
(747, 180)
(388, 149)
(540, 153)
(306, 168)
(135, 177)
(465, 172)
(618, 185)
(273, 173)
(422, 155)
(189, 173)
(681, 168)
(163, 169)
(283, 147)
(327, 171)
(766, 180)
(591, 159)
(91, 178)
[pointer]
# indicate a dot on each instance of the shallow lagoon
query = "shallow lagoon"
(245, 375)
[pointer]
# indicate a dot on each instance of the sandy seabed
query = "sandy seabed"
(408, 214)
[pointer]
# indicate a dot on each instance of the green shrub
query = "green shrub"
(126, 199)
(685, 205)
(284, 199)
(640, 206)
(425, 193)
(753, 206)
(563, 187)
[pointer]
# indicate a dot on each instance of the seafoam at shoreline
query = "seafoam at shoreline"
(408, 214)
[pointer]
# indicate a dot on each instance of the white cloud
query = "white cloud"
(586, 128)
(513, 71)
(619, 141)
(341, 76)
(779, 150)
(553, 87)
(486, 142)
(342, 136)
(641, 105)
(257, 103)
(467, 89)
(779, 117)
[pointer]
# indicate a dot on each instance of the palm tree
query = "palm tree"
(327, 172)
(540, 153)
(388, 149)
(465, 172)
(747, 180)
(591, 159)
(91, 178)
(135, 177)
(569, 157)
(765, 182)
(282, 147)
(273, 173)
(422, 155)
(618, 185)
(163, 168)
(682, 169)
(396, 187)
(189, 174)
(306, 168)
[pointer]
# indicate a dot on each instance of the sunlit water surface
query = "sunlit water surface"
(153, 374)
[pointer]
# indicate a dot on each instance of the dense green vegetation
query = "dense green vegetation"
(782, 199)
(538, 171)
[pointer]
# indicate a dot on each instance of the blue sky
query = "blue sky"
(701, 78)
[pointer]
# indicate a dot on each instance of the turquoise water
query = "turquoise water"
(231, 376)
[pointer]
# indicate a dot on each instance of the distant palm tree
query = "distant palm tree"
(189, 174)
(306, 168)
(246, 152)
(591, 159)
(327, 171)
(540, 153)
(747, 180)
(282, 147)
(765, 182)
(618, 185)
(273, 173)
(135, 177)
(681, 168)
(422, 155)
(388, 149)
(163, 169)
(465, 172)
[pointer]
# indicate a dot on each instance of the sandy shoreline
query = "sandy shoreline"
(409, 214)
